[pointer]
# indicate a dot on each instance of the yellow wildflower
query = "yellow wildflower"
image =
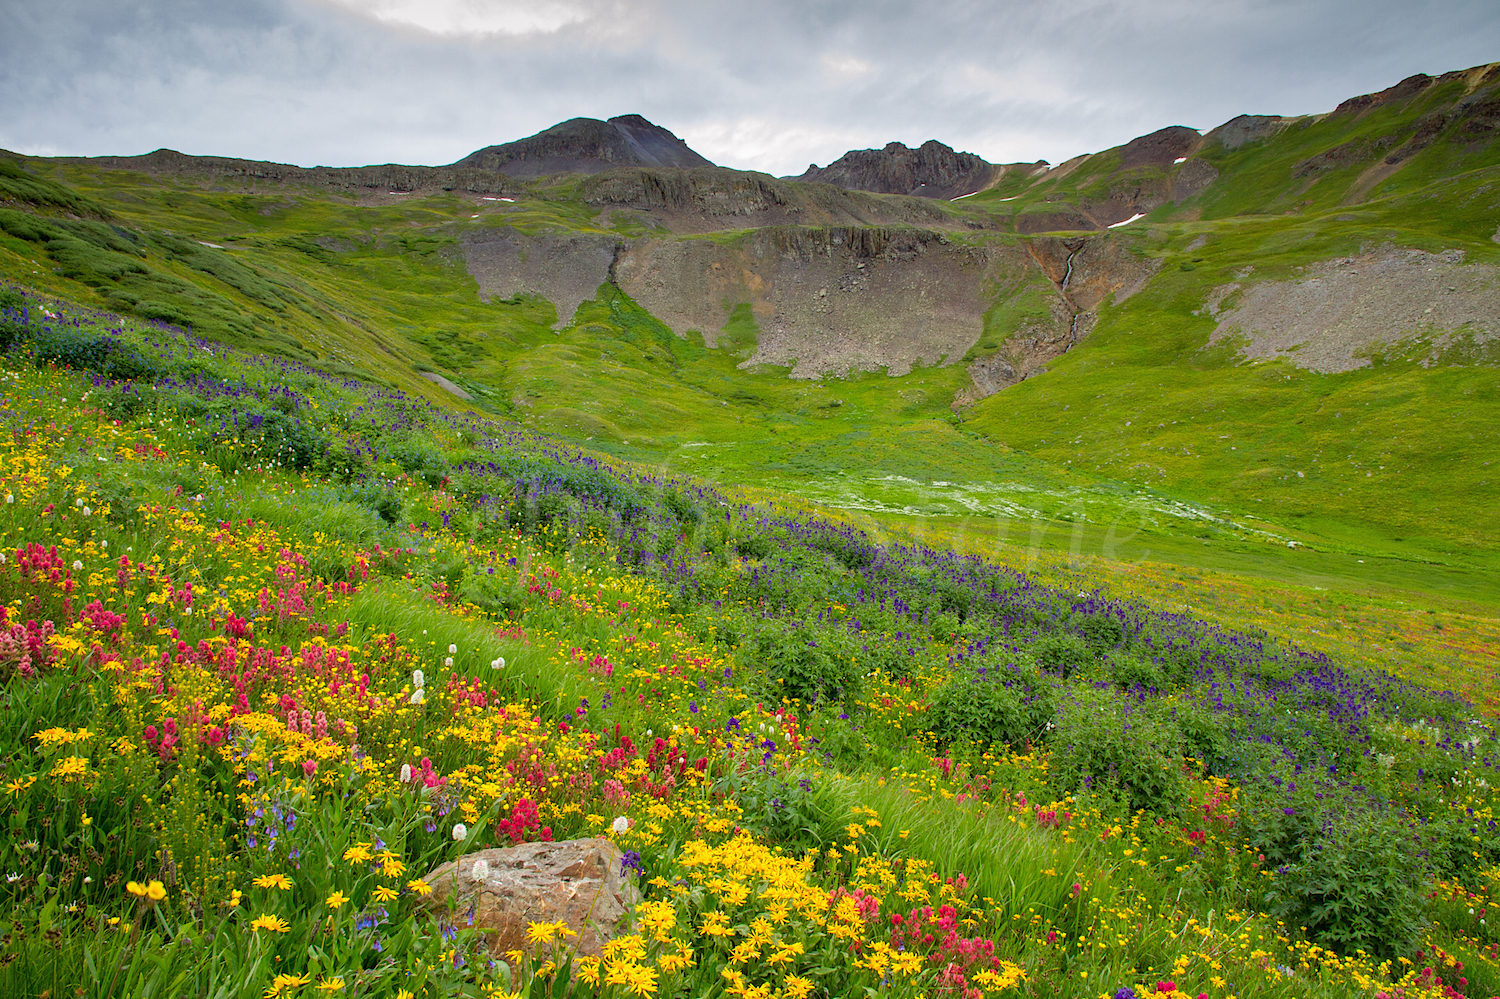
(284, 983)
(359, 853)
(268, 922)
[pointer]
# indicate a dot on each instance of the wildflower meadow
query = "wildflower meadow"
(274, 645)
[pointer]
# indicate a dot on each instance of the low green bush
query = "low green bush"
(996, 706)
(806, 663)
(1105, 740)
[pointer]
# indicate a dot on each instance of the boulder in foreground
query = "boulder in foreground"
(577, 882)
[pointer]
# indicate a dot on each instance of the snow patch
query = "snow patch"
(1137, 215)
(1180, 159)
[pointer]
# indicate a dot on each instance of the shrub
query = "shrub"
(807, 663)
(1062, 653)
(1100, 631)
(990, 707)
(1129, 671)
(419, 456)
(1104, 740)
(756, 546)
(1205, 734)
(12, 318)
(88, 349)
(1359, 884)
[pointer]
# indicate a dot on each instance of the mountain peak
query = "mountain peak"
(587, 145)
(932, 170)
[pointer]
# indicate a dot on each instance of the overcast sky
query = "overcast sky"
(768, 85)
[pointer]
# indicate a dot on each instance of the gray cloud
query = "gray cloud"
(771, 86)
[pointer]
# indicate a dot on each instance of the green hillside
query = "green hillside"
(1213, 457)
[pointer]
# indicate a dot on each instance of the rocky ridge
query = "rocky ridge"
(932, 170)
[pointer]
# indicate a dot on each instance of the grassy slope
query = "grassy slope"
(1050, 894)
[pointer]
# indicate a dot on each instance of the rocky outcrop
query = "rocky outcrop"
(1026, 352)
(1236, 132)
(932, 170)
(587, 145)
(1088, 270)
(577, 882)
(565, 268)
(1159, 149)
(1146, 173)
(827, 300)
(1408, 87)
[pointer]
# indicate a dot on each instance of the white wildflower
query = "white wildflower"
(77, 564)
(621, 824)
(448, 662)
(406, 773)
(453, 650)
(481, 870)
(460, 832)
(418, 696)
(418, 679)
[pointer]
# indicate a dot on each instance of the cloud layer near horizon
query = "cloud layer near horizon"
(770, 86)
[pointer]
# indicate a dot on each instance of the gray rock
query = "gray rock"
(576, 881)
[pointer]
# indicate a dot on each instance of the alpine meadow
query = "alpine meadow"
(919, 577)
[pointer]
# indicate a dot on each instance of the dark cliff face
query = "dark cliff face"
(931, 171)
(587, 145)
